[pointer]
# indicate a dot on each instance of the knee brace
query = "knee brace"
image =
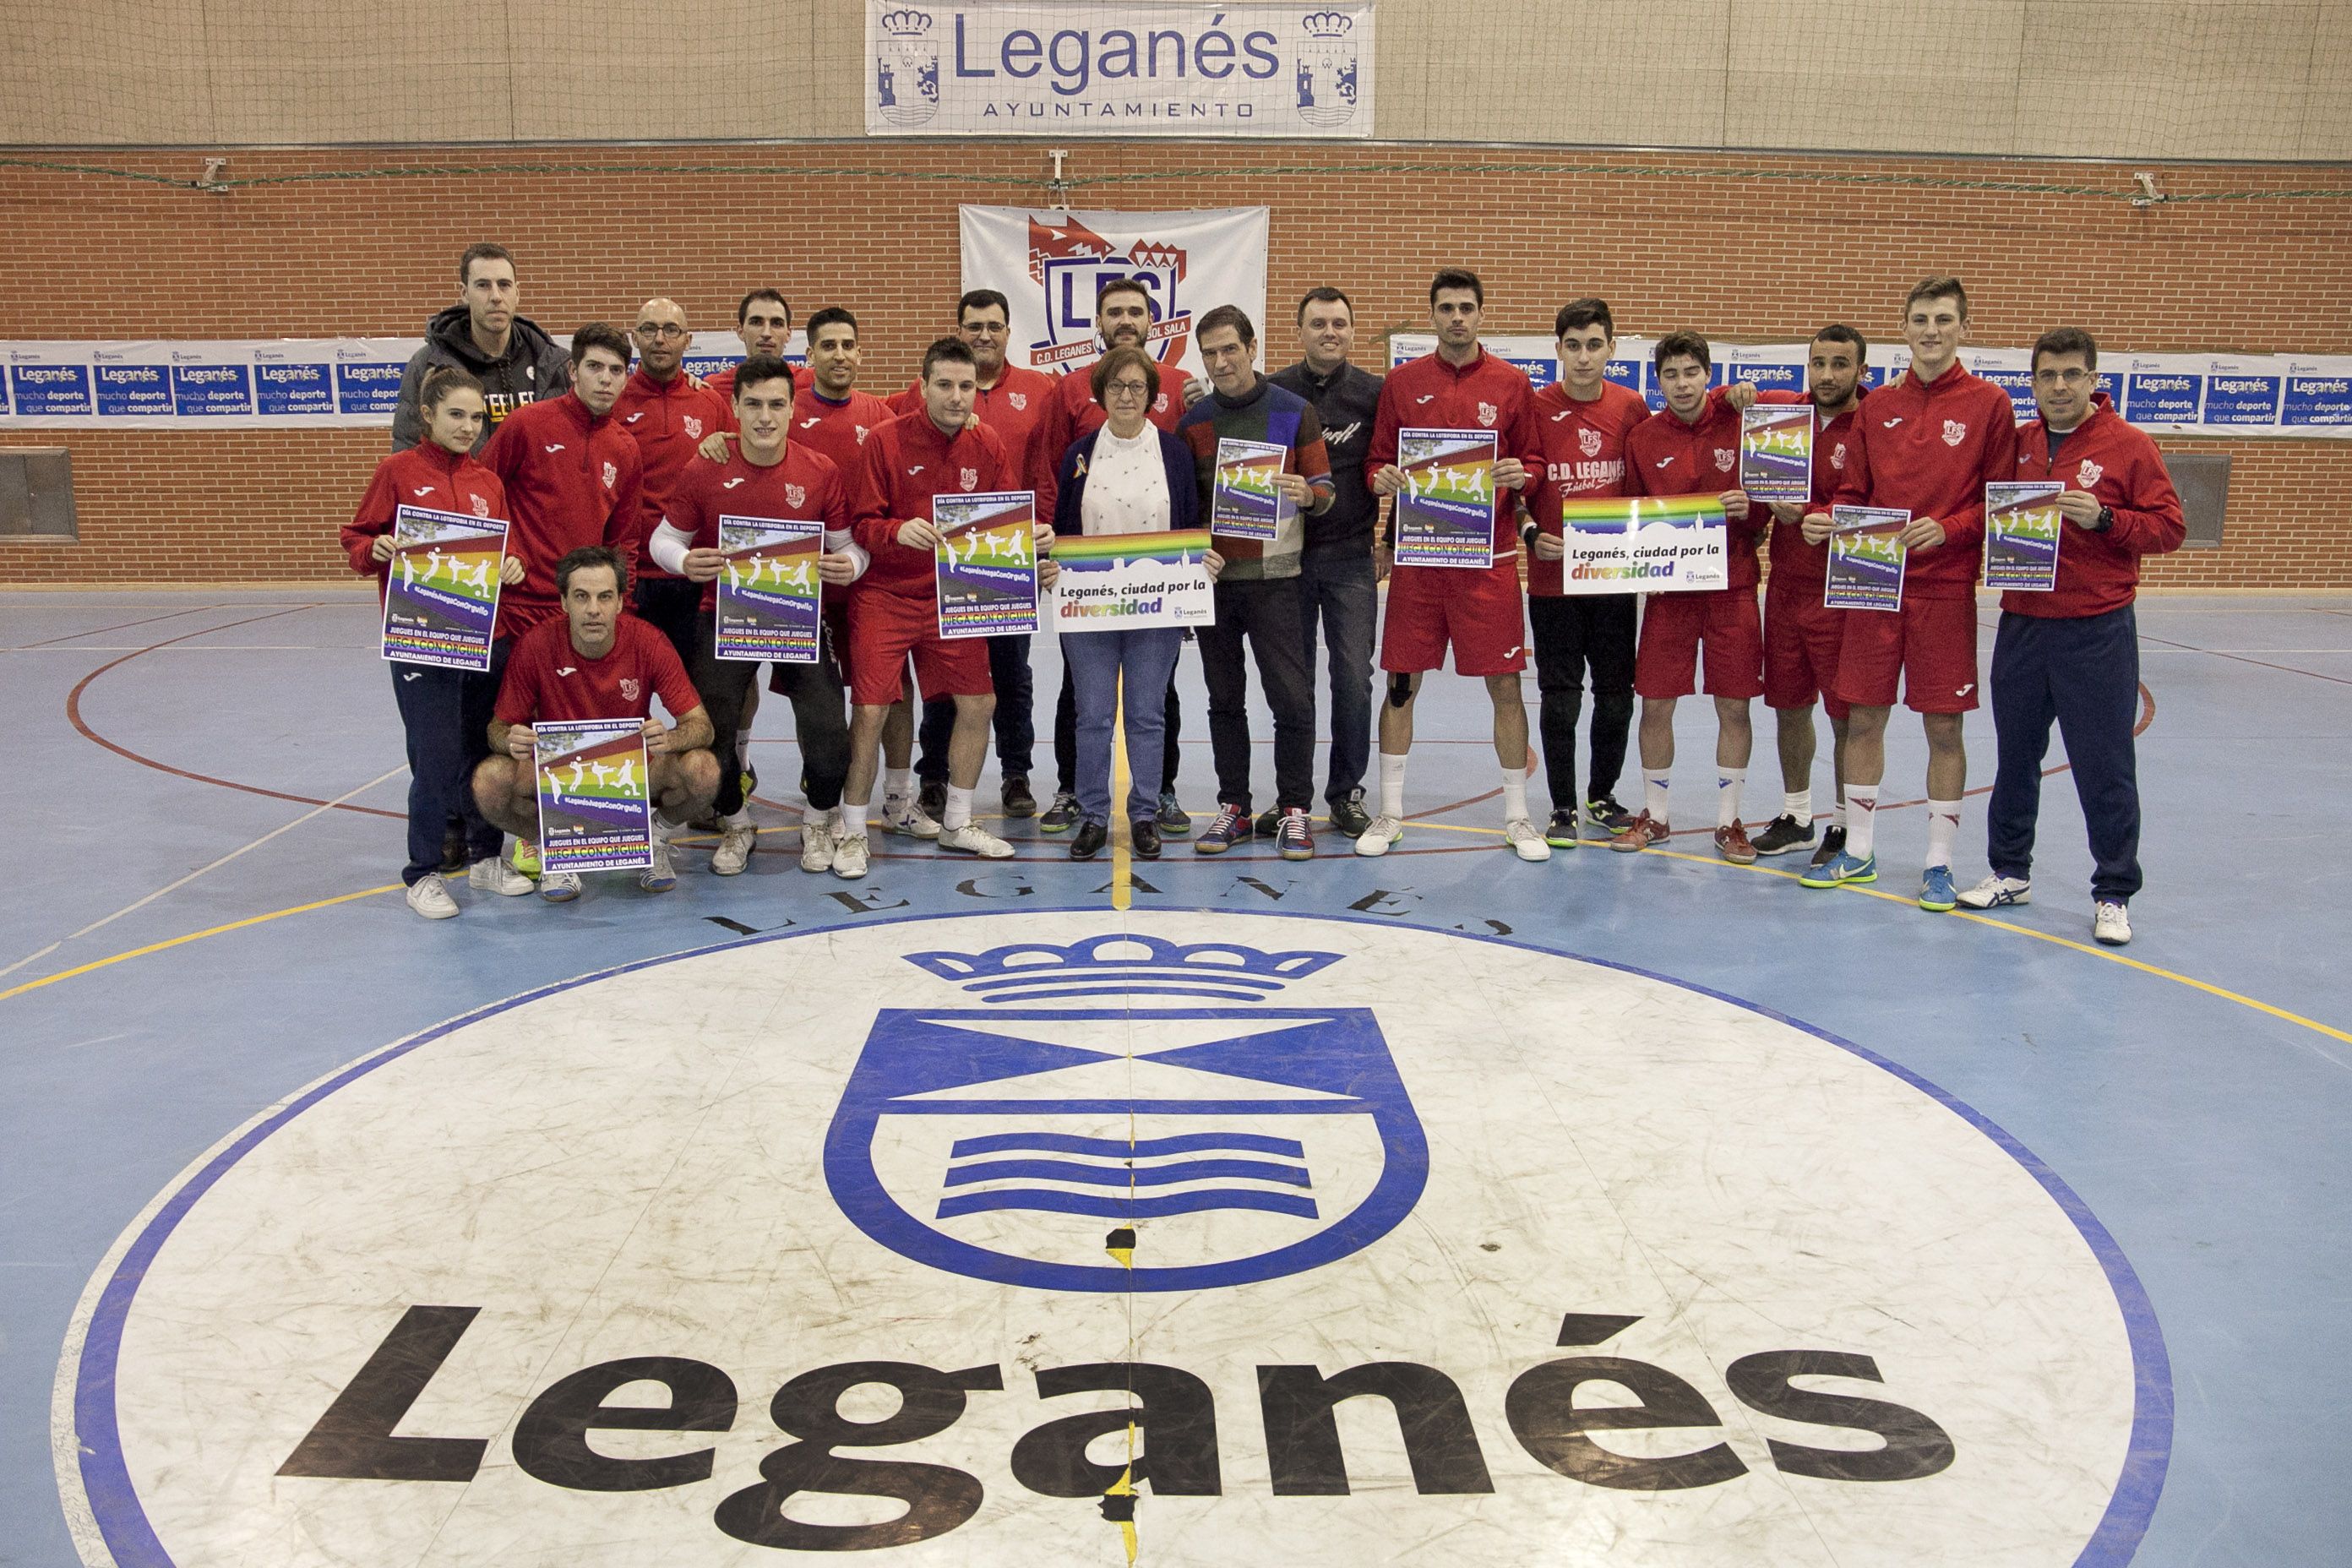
(1400, 690)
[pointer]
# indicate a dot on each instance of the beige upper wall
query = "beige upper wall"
(2122, 79)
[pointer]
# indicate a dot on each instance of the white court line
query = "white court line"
(2248, 650)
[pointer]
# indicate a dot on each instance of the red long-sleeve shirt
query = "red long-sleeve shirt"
(1798, 566)
(838, 430)
(426, 475)
(1016, 408)
(1665, 457)
(804, 485)
(1931, 447)
(572, 480)
(1487, 394)
(2098, 569)
(906, 463)
(1583, 451)
(669, 420)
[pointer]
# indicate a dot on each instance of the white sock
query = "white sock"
(1515, 794)
(1837, 812)
(1392, 786)
(1943, 828)
(898, 784)
(1653, 795)
(739, 817)
(663, 826)
(959, 811)
(853, 819)
(1797, 806)
(1862, 820)
(1728, 783)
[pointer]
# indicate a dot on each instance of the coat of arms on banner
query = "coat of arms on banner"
(1071, 263)
(906, 67)
(1329, 69)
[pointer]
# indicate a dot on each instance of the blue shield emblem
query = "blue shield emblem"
(906, 67)
(1215, 1145)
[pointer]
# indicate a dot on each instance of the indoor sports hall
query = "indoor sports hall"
(1427, 1203)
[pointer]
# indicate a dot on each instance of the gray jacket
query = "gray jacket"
(534, 366)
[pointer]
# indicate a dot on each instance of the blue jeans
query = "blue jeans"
(1343, 592)
(1096, 661)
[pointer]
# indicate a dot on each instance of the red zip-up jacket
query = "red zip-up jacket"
(1487, 394)
(1072, 412)
(669, 419)
(906, 463)
(1664, 457)
(1584, 449)
(1797, 567)
(572, 480)
(839, 430)
(1016, 409)
(424, 475)
(804, 485)
(2098, 569)
(1931, 447)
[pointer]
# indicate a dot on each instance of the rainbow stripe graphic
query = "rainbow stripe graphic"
(2022, 533)
(1090, 551)
(1620, 513)
(768, 593)
(1776, 452)
(595, 794)
(441, 588)
(1866, 559)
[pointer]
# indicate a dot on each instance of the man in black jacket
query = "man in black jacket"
(1339, 575)
(517, 362)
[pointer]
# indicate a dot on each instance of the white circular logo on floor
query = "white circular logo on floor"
(1182, 1238)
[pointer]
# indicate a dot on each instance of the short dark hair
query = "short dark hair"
(1458, 277)
(442, 380)
(1326, 295)
(744, 307)
(1122, 285)
(1118, 359)
(2066, 341)
(1232, 316)
(1681, 345)
(1937, 289)
(831, 315)
(1838, 332)
(982, 299)
(952, 351)
(759, 368)
(584, 559)
(600, 335)
(481, 250)
(1579, 314)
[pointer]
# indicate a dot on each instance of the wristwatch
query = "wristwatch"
(2106, 519)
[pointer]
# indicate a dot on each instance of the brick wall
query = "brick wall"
(1760, 247)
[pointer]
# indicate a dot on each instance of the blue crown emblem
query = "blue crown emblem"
(1327, 24)
(908, 24)
(1122, 966)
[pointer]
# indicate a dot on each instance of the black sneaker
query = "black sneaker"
(1561, 833)
(1061, 813)
(1089, 841)
(1607, 813)
(1833, 846)
(1018, 801)
(1782, 833)
(1174, 823)
(1269, 822)
(1143, 834)
(932, 799)
(453, 848)
(1349, 817)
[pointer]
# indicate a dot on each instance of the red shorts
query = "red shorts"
(1673, 628)
(1801, 638)
(1480, 613)
(885, 628)
(1930, 643)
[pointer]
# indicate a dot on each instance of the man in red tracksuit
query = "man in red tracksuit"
(1802, 637)
(1933, 438)
(763, 320)
(1458, 386)
(1691, 448)
(2072, 653)
(670, 417)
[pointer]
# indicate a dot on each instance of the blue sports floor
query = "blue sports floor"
(207, 919)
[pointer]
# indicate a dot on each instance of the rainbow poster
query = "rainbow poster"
(595, 799)
(1445, 516)
(769, 596)
(1776, 452)
(1644, 544)
(1244, 501)
(1866, 558)
(441, 588)
(2022, 526)
(986, 565)
(1126, 582)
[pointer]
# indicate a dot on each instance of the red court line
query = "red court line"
(73, 716)
(119, 625)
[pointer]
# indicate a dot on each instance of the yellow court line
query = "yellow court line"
(194, 936)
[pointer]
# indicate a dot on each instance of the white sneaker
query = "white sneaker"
(913, 821)
(736, 842)
(1525, 841)
(1376, 839)
(849, 856)
(817, 837)
(1997, 893)
(972, 838)
(2111, 923)
(491, 874)
(429, 897)
(559, 886)
(661, 876)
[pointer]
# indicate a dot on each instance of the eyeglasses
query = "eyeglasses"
(2070, 377)
(1127, 389)
(659, 330)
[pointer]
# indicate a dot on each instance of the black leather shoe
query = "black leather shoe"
(1091, 838)
(932, 798)
(1143, 835)
(1018, 801)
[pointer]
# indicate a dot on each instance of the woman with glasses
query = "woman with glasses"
(1128, 477)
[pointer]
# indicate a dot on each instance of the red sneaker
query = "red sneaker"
(1731, 843)
(1646, 830)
